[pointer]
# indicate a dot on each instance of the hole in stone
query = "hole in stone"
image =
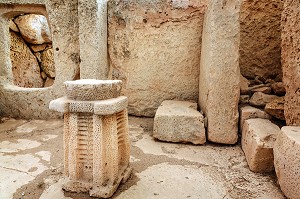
(31, 51)
(57, 49)
(145, 20)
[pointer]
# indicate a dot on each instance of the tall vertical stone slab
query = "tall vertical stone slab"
(290, 61)
(96, 139)
(219, 70)
(93, 38)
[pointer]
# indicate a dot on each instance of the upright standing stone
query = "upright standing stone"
(219, 88)
(93, 38)
(290, 61)
(96, 141)
(287, 161)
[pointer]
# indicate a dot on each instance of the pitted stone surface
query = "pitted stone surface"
(287, 161)
(103, 107)
(96, 139)
(219, 81)
(258, 138)
(92, 89)
(179, 121)
(290, 60)
(249, 112)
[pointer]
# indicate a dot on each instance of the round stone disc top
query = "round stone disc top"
(92, 89)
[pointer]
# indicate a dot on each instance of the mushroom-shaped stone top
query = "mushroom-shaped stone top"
(92, 89)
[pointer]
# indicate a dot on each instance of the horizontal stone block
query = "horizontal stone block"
(287, 161)
(248, 112)
(102, 107)
(179, 121)
(92, 89)
(258, 138)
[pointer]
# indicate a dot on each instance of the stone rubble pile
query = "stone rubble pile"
(261, 109)
(31, 51)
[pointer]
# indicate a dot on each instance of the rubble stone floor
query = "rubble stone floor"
(31, 155)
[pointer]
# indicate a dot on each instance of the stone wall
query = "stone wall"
(33, 102)
(291, 61)
(154, 48)
(31, 51)
(260, 38)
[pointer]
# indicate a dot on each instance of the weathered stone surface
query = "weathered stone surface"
(93, 39)
(244, 99)
(276, 108)
(38, 47)
(49, 82)
(25, 68)
(258, 137)
(260, 38)
(92, 89)
(278, 88)
(33, 103)
(153, 45)
(287, 161)
(47, 63)
(179, 121)
(98, 161)
(244, 85)
(264, 89)
(249, 112)
(260, 99)
(219, 83)
(290, 61)
(13, 26)
(34, 28)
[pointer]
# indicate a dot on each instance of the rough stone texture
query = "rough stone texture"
(153, 45)
(290, 61)
(93, 39)
(276, 108)
(244, 99)
(249, 112)
(25, 68)
(278, 88)
(49, 82)
(13, 26)
(92, 89)
(34, 28)
(97, 146)
(264, 89)
(244, 85)
(260, 99)
(219, 84)
(38, 47)
(33, 103)
(287, 161)
(179, 121)
(258, 137)
(47, 63)
(260, 38)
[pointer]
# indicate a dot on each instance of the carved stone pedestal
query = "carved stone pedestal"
(96, 141)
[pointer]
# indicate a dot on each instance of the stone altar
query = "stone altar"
(96, 141)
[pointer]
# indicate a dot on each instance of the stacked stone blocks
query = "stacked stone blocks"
(96, 141)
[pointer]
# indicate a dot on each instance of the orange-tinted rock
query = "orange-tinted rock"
(290, 61)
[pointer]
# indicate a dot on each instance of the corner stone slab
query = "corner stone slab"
(287, 161)
(258, 138)
(179, 121)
